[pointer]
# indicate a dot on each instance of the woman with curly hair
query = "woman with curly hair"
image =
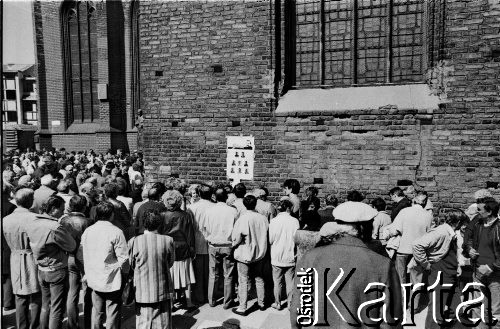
(178, 224)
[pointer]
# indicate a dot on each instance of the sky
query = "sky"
(17, 29)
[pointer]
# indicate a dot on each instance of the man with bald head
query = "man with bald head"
(23, 267)
(43, 193)
(153, 203)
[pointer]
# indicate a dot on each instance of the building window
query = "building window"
(10, 94)
(79, 28)
(339, 43)
(135, 52)
(30, 112)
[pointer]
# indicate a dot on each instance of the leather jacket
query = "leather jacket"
(471, 240)
(76, 223)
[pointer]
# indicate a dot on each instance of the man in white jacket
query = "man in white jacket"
(281, 237)
(249, 239)
(217, 229)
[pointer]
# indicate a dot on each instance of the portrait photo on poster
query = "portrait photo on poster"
(240, 158)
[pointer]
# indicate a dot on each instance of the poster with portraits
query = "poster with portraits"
(240, 158)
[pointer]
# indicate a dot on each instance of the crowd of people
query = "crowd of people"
(77, 221)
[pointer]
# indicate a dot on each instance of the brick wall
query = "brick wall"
(112, 129)
(450, 150)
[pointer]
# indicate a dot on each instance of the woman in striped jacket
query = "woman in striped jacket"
(151, 257)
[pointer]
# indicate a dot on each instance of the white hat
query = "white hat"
(354, 212)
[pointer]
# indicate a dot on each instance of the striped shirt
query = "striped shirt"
(151, 256)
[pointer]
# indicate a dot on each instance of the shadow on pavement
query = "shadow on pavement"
(183, 321)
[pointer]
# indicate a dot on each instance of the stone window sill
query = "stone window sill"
(308, 101)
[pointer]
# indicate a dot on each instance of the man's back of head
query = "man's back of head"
(220, 195)
(250, 202)
(205, 192)
(240, 190)
(77, 203)
(420, 198)
(111, 190)
(331, 200)
(154, 194)
(104, 211)
(293, 185)
(24, 197)
(47, 180)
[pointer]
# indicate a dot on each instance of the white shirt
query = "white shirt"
(219, 222)
(411, 223)
(282, 231)
(199, 209)
(250, 237)
(105, 256)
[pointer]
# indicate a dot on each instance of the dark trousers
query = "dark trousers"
(446, 301)
(401, 263)
(87, 306)
(200, 288)
(7, 294)
(106, 306)
(218, 256)
(75, 285)
(54, 286)
(26, 304)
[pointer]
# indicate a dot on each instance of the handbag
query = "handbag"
(128, 293)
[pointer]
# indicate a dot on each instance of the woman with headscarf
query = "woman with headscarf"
(178, 224)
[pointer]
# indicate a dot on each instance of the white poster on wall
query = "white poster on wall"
(240, 158)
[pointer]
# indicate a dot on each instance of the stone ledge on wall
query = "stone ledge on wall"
(412, 96)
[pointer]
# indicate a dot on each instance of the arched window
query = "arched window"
(79, 28)
(135, 52)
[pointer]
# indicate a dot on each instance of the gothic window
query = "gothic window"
(339, 43)
(79, 28)
(135, 51)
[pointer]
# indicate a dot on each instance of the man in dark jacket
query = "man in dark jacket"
(122, 218)
(482, 245)
(153, 203)
(76, 223)
(345, 263)
(51, 243)
(401, 201)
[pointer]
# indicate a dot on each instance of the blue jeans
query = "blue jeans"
(106, 306)
(289, 275)
(401, 264)
(491, 291)
(54, 286)
(246, 272)
(75, 285)
(218, 255)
